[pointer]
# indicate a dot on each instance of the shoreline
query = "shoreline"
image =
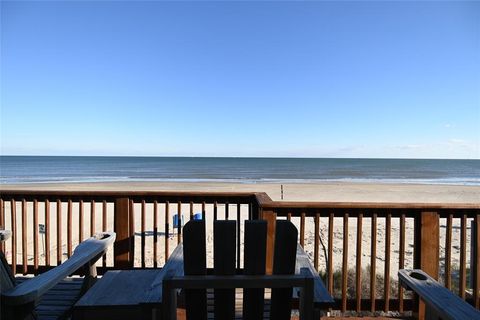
(319, 191)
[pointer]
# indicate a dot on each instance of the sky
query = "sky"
(377, 79)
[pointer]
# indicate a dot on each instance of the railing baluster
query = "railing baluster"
(475, 265)
(191, 210)
(180, 221)
(238, 234)
(204, 212)
(142, 231)
(373, 261)
(80, 222)
(448, 252)
(330, 253)
(155, 233)
(2, 222)
(35, 236)
(13, 221)
(47, 232)
(69, 228)
(59, 232)
(24, 236)
(358, 271)
(302, 229)
(386, 281)
(227, 206)
(289, 216)
(344, 262)
(92, 217)
(463, 256)
(167, 231)
(104, 228)
(131, 228)
(215, 209)
(401, 261)
(316, 242)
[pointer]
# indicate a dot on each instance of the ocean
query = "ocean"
(46, 169)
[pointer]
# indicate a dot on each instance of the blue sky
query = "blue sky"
(301, 79)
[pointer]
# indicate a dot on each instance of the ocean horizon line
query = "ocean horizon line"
(234, 157)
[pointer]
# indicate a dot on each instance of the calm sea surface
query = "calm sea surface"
(33, 169)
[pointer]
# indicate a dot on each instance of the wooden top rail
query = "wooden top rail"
(183, 196)
(261, 198)
(366, 205)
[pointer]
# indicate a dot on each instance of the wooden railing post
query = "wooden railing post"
(476, 262)
(271, 217)
(123, 247)
(427, 246)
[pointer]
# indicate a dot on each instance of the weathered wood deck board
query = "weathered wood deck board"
(59, 300)
(441, 302)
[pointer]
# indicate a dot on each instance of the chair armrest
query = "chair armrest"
(321, 296)
(89, 250)
(444, 302)
(172, 268)
(5, 234)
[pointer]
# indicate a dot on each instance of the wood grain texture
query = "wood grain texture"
(345, 262)
(255, 258)
(463, 257)
(35, 236)
(271, 218)
(373, 262)
(401, 260)
(167, 229)
(440, 302)
(47, 232)
(122, 247)
(69, 228)
(286, 236)
(224, 242)
(386, 275)
(194, 253)
(24, 236)
(316, 242)
(358, 270)
(448, 252)
(80, 221)
(31, 290)
(59, 232)
(330, 254)
(13, 221)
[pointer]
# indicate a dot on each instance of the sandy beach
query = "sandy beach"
(328, 191)
(351, 192)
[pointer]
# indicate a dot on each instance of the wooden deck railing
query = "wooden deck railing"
(347, 242)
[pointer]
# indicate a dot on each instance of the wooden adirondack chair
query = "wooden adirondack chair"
(441, 303)
(224, 277)
(48, 295)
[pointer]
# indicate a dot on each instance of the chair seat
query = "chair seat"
(58, 301)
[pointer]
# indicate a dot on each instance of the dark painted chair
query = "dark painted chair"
(291, 270)
(440, 303)
(51, 294)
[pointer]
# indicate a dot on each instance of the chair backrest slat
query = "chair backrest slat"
(195, 263)
(255, 242)
(283, 263)
(224, 253)
(255, 245)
